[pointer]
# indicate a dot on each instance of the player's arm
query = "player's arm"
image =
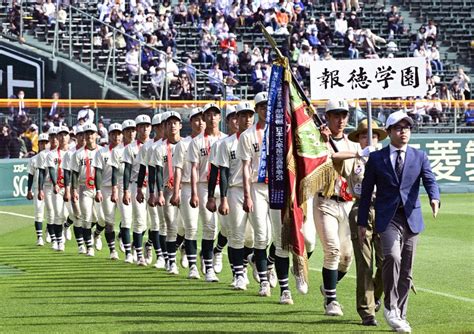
(127, 176)
(74, 185)
(98, 177)
(29, 196)
(160, 184)
(140, 181)
(224, 186)
(211, 188)
(246, 175)
(194, 202)
(175, 198)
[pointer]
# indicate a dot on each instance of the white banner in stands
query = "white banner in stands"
(368, 78)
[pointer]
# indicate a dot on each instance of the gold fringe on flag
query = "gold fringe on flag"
(320, 180)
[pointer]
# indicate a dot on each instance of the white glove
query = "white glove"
(366, 152)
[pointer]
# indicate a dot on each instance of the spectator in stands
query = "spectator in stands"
(340, 26)
(84, 116)
(157, 78)
(49, 10)
(56, 111)
(4, 142)
(256, 56)
(149, 58)
(259, 79)
(282, 18)
(232, 17)
(102, 130)
(190, 70)
(19, 108)
(462, 81)
(421, 36)
(38, 13)
(335, 6)
(106, 37)
(164, 7)
(312, 26)
(420, 112)
(194, 16)
(313, 39)
(222, 29)
(229, 83)
(350, 44)
(14, 19)
(232, 61)
(327, 55)
(245, 58)
(228, 42)
(183, 87)
(304, 59)
(435, 109)
(299, 12)
(16, 146)
(246, 14)
(354, 22)
(104, 10)
(315, 54)
(431, 31)
(445, 94)
(132, 60)
(369, 43)
(172, 69)
(30, 137)
(395, 21)
(180, 13)
(352, 4)
(267, 55)
(324, 32)
(435, 60)
(216, 77)
(296, 73)
(61, 18)
(205, 54)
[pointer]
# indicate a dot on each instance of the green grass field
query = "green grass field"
(44, 291)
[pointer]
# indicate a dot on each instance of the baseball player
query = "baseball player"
(155, 212)
(103, 178)
(132, 160)
(83, 183)
(331, 213)
(43, 143)
(182, 189)
(45, 187)
(162, 160)
(56, 172)
(232, 127)
(73, 208)
(232, 194)
(116, 161)
(256, 203)
(198, 155)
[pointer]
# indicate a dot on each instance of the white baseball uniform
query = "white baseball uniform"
(38, 204)
(116, 161)
(54, 159)
(48, 186)
(102, 161)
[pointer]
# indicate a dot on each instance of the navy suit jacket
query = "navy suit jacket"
(390, 192)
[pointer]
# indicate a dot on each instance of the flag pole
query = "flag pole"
(369, 119)
(300, 90)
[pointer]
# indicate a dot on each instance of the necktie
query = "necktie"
(399, 165)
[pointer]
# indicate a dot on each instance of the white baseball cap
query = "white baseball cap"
(62, 129)
(156, 120)
(210, 106)
(173, 114)
(245, 106)
(396, 117)
(164, 116)
(142, 119)
(337, 106)
(128, 123)
(229, 110)
(115, 127)
(89, 127)
(195, 111)
(53, 130)
(79, 129)
(261, 97)
(103, 141)
(43, 137)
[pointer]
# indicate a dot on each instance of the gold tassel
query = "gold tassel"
(320, 180)
(300, 266)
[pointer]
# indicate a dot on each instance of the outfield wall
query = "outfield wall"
(451, 157)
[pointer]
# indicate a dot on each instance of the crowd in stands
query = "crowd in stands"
(155, 25)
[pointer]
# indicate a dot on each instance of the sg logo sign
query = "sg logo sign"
(20, 182)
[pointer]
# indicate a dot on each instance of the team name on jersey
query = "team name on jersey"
(233, 155)
(203, 152)
(83, 161)
(256, 147)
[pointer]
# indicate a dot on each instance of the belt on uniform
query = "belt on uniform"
(334, 198)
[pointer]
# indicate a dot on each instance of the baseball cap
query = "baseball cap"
(210, 106)
(115, 127)
(156, 120)
(229, 110)
(53, 130)
(142, 119)
(244, 106)
(90, 127)
(173, 114)
(261, 97)
(396, 117)
(79, 129)
(164, 116)
(103, 141)
(195, 111)
(337, 106)
(128, 123)
(43, 137)
(62, 129)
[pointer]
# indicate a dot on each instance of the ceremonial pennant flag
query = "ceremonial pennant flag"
(308, 170)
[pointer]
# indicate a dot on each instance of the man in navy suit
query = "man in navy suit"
(395, 172)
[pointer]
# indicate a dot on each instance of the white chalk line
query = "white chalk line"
(434, 292)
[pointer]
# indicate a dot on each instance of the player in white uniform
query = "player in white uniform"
(45, 187)
(232, 195)
(155, 212)
(132, 161)
(43, 142)
(103, 178)
(56, 173)
(256, 203)
(198, 155)
(83, 183)
(182, 190)
(331, 215)
(162, 160)
(232, 127)
(116, 161)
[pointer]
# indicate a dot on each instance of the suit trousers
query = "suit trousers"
(369, 287)
(399, 247)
